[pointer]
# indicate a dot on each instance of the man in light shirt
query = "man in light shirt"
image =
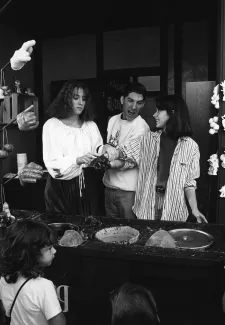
(120, 184)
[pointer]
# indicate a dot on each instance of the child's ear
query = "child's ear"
(122, 100)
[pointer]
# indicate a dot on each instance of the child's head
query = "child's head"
(133, 305)
(27, 248)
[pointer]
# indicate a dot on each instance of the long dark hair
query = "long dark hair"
(21, 249)
(179, 124)
(62, 105)
(133, 304)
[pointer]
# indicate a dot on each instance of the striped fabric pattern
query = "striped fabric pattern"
(184, 169)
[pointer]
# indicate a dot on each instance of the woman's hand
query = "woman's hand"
(199, 216)
(86, 159)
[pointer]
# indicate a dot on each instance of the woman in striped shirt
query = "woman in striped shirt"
(168, 162)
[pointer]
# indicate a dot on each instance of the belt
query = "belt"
(160, 189)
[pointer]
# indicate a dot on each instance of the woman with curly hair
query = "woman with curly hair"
(25, 252)
(70, 142)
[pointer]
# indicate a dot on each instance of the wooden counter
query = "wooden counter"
(188, 285)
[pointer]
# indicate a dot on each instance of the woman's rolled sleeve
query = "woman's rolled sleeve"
(130, 152)
(194, 171)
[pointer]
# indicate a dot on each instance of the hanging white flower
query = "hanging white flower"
(214, 126)
(223, 89)
(213, 165)
(223, 121)
(215, 97)
(222, 191)
(222, 157)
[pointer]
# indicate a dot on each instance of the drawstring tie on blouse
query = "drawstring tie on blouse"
(81, 182)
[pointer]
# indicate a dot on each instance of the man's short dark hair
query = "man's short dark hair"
(134, 87)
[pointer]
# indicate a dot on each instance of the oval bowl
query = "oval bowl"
(61, 227)
(118, 235)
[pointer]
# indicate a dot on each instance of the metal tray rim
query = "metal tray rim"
(211, 239)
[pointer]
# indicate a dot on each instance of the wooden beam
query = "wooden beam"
(164, 27)
(99, 55)
(38, 90)
(133, 72)
(178, 42)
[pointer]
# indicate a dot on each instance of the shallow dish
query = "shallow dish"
(119, 235)
(191, 238)
(61, 227)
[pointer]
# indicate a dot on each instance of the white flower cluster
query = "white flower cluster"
(213, 164)
(222, 157)
(223, 89)
(214, 126)
(223, 121)
(215, 97)
(222, 191)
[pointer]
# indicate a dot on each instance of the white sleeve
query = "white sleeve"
(142, 129)
(49, 303)
(54, 161)
(96, 137)
(109, 128)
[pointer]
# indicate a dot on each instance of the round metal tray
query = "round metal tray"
(191, 238)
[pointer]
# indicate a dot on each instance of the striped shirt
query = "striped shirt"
(184, 169)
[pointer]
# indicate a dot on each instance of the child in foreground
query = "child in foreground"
(25, 252)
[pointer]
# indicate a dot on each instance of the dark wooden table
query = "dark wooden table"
(188, 285)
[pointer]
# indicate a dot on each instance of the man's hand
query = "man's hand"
(27, 119)
(22, 56)
(30, 173)
(111, 152)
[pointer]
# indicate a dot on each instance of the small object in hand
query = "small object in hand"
(8, 147)
(3, 154)
(101, 162)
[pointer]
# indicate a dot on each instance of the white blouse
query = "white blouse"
(63, 144)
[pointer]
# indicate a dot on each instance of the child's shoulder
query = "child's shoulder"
(41, 282)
